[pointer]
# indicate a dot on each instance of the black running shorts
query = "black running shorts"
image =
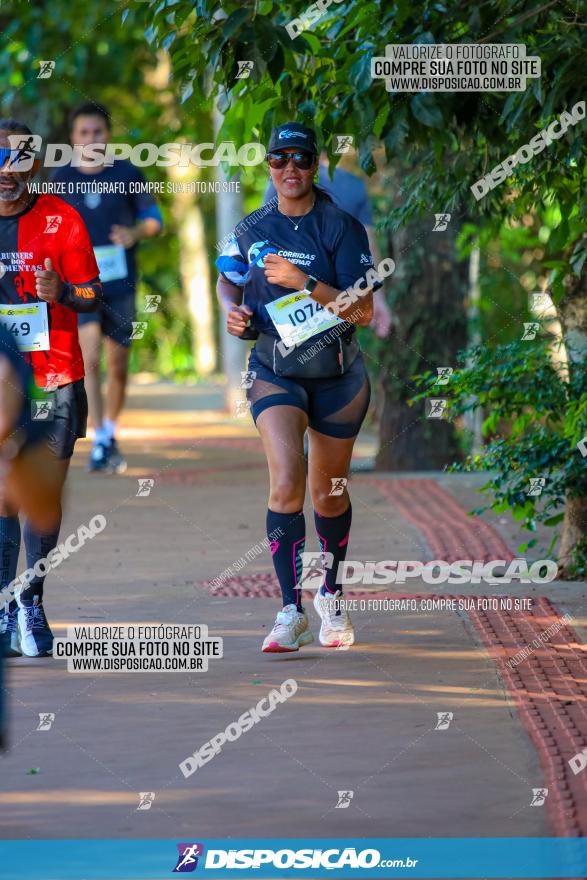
(67, 418)
(335, 407)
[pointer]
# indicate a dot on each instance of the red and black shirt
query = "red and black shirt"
(49, 227)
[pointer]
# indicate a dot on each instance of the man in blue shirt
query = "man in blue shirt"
(350, 193)
(117, 221)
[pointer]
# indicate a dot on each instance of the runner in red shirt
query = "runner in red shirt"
(48, 273)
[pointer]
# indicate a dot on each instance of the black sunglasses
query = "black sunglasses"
(301, 160)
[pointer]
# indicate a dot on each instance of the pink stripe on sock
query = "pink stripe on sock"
(293, 559)
(323, 549)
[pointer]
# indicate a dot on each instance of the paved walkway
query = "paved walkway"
(362, 720)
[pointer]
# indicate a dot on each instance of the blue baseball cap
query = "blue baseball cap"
(292, 134)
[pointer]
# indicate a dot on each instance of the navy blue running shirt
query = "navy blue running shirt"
(328, 244)
(102, 210)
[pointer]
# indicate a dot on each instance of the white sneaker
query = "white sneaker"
(336, 630)
(36, 638)
(290, 632)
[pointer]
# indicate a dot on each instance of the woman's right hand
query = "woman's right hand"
(237, 319)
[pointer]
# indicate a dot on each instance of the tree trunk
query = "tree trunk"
(473, 418)
(429, 292)
(574, 530)
(193, 262)
(195, 279)
(572, 310)
(229, 212)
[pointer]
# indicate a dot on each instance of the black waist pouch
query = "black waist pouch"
(312, 360)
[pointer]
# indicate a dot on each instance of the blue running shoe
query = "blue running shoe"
(9, 635)
(99, 458)
(116, 461)
(36, 638)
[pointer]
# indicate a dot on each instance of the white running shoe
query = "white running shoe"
(290, 632)
(36, 638)
(336, 630)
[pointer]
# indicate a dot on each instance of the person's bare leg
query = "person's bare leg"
(11, 401)
(90, 338)
(282, 431)
(117, 357)
(36, 637)
(40, 542)
(329, 458)
(329, 462)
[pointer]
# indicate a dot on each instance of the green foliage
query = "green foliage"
(101, 54)
(323, 76)
(165, 348)
(437, 144)
(536, 413)
(93, 55)
(103, 51)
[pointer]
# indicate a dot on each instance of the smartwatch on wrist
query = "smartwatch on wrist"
(310, 284)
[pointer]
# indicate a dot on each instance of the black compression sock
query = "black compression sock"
(38, 546)
(333, 534)
(9, 550)
(287, 533)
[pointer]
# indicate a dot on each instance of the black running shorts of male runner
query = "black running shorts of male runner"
(115, 315)
(67, 419)
(335, 407)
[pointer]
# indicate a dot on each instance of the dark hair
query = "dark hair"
(90, 108)
(321, 193)
(13, 125)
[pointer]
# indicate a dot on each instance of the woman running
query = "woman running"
(294, 279)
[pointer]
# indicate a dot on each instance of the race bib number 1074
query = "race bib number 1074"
(297, 317)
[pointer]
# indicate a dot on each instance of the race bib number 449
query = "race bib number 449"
(28, 323)
(297, 317)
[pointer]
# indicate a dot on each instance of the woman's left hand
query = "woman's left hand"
(280, 271)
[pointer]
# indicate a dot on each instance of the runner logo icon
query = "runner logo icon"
(146, 799)
(46, 68)
(46, 719)
(344, 799)
(23, 149)
(441, 222)
(187, 861)
(244, 69)
(42, 410)
(539, 795)
(314, 565)
(53, 222)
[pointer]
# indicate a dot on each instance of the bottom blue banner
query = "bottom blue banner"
(413, 857)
